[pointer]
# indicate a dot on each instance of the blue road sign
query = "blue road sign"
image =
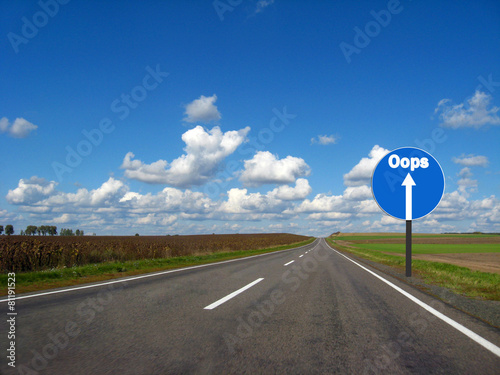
(408, 183)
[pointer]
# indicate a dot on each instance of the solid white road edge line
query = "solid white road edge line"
(149, 275)
(232, 295)
(286, 264)
(472, 335)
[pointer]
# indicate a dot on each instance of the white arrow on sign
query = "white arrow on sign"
(408, 183)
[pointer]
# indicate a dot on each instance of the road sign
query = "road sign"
(408, 183)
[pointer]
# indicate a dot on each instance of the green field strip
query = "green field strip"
(433, 248)
(415, 235)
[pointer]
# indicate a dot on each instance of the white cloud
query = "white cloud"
(202, 110)
(330, 216)
(63, 219)
(358, 193)
(31, 191)
(465, 172)
(466, 185)
(452, 206)
(362, 172)
(266, 168)
(239, 201)
(322, 203)
(205, 151)
(471, 160)
(149, 219)
(324, 140)
(21, 128)
(473, 114)
(274, 201)
(288, 193)
(6, 217)
(113, 207)
(42, 193)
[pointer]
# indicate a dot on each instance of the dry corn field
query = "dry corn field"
(24, 254)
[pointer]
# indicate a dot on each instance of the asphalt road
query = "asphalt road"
(322, 313)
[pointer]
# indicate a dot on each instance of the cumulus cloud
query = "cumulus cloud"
(475, 113)
(322, 203)
(362, 172)
(471, 160)
(63, 219)
(113, 207)
(203, 110)
(30, 191)
(274, 201)
(205, 151)
(466, 185)
(288, 193)
(266, 168)
(40, 192)
(358, 193)
(154, 219)
(324, 140)
(21, 128)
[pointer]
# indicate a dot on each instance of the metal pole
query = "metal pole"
(408, 248)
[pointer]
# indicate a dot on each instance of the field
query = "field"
(51, 262)
(466, 263)
(477, 251)
(37, 253)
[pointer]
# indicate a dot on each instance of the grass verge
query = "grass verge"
(460, 280)
(61, 277)
(430, 248)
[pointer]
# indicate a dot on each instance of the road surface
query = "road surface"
(301, 311)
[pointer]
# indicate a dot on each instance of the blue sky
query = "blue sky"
(244, 116)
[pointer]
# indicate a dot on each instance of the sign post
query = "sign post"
(408, 248)
(408, 184)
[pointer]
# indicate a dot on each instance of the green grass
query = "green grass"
(432, 248)
(460, 280)
(32, 281)
(414, 235)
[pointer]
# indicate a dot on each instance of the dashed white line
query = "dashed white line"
(126, 279)
(232, 295)
(286, 264)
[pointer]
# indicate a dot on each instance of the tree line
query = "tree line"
(44, 230)
(9, 229)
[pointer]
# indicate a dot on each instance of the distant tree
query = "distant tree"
(22, 232)
(30, 230)
(1, 229)
(137, 234)
(53, 230)
(81, 232)
(77, 232)
(66, 232)
(9, 229)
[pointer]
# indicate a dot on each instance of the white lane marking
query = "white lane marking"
(149, 275)
(286, 264)
(467, 332)
(300, 256)
(232, 295)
